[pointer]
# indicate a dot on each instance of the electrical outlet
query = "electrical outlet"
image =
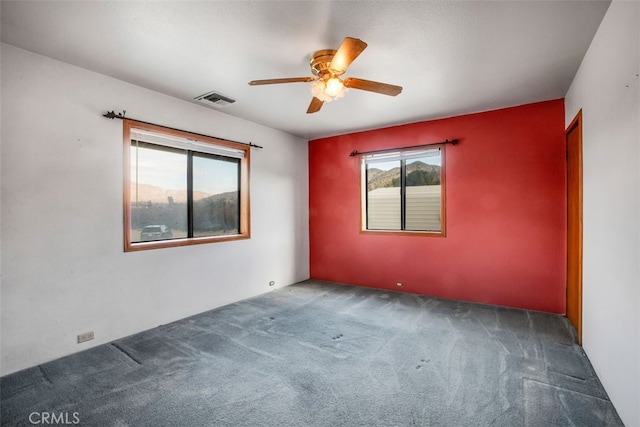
(399, 284)
(87, 336)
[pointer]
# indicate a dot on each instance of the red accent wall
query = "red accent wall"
(505, 211)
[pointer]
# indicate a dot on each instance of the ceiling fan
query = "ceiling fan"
(328, 65)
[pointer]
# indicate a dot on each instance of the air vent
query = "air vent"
(215, 98)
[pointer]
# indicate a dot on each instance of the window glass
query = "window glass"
(182, 188)
(158, 192)
(215, 195)
(383, 196)
(423, 193)
(403, 190)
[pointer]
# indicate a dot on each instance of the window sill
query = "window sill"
(404, 233)
(143, 246)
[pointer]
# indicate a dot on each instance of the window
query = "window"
(182, 189)
(403, 190)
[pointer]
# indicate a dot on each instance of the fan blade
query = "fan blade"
(315, 105)
(371, 86)
(346, 54)
(276, 81)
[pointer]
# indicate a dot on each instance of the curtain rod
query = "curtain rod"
(112, 115)
(390, 150)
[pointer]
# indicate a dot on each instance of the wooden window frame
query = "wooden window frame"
(443, 192)
(245, 223)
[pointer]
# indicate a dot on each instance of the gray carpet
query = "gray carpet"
(322, 354)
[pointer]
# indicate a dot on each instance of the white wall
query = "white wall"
(64, 271)
(607, 89)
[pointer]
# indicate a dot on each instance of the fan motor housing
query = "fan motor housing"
(320, 62)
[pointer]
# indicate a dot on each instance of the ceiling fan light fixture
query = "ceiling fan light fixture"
(329, 90)
(334, 87)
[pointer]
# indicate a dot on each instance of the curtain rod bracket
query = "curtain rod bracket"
(113, 115)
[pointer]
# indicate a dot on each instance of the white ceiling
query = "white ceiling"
(451, 57)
